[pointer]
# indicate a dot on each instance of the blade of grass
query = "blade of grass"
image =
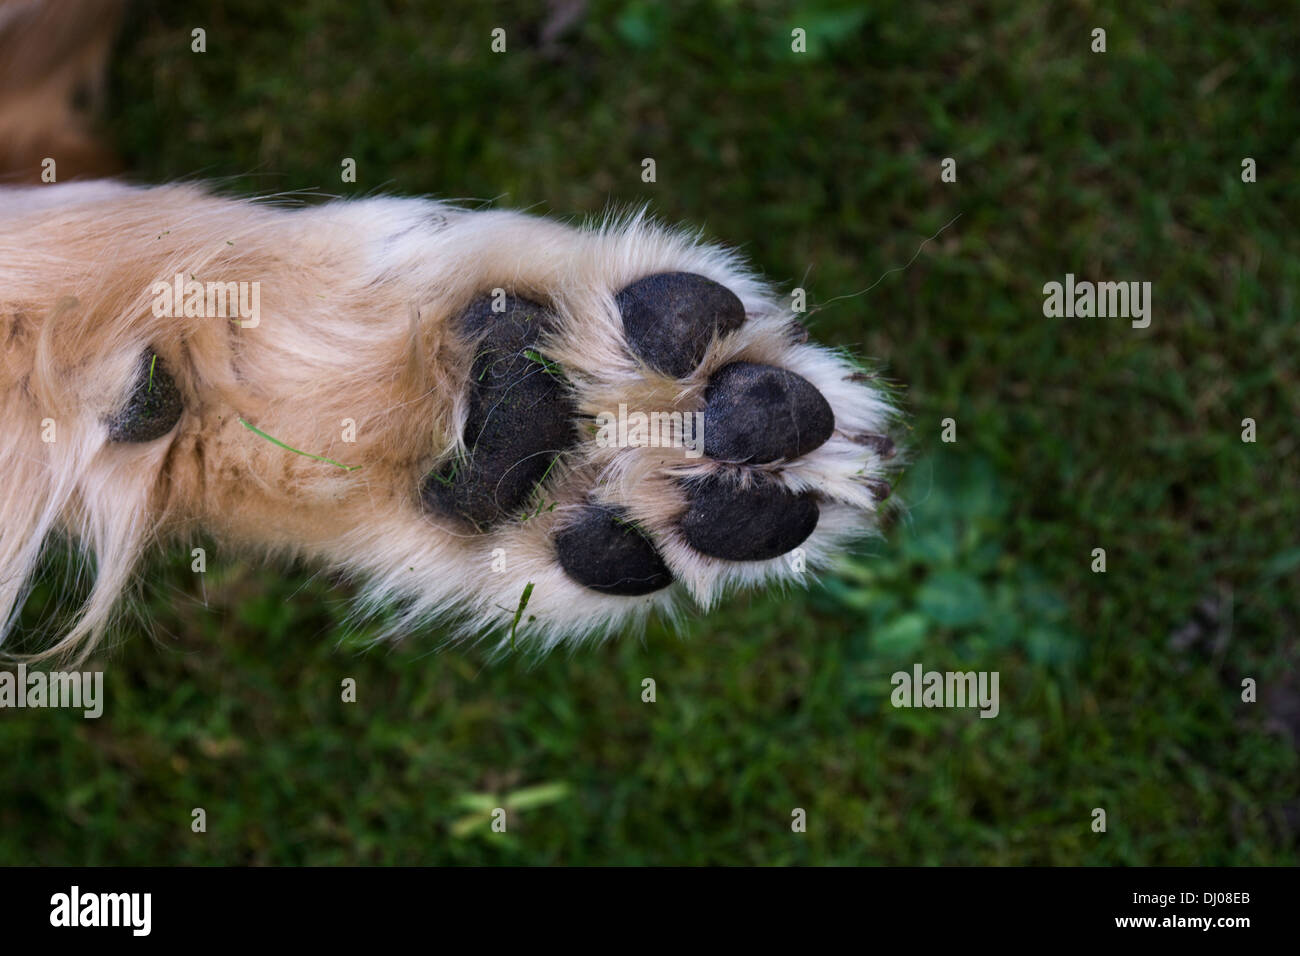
(275, 441)
(519, 611)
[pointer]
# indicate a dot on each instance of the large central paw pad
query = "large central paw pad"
(520, 417)
(758, 492)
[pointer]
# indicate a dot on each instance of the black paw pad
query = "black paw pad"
(760, 413)
(153, 406)
(520, 417)
(604, 551)
(762, 521)
(671, 318)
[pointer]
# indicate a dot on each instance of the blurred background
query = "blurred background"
(1119, 690)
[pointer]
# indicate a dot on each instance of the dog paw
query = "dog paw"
(517, 427)
(650, 437)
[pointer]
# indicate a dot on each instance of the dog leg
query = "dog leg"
(456, 407)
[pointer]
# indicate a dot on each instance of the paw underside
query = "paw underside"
(754, 488)
(523, 418)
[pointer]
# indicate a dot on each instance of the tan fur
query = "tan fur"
(355, 302)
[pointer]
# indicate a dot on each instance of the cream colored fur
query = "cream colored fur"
(356, 298)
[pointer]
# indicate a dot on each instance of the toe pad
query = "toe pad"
(671, 318)
(602, 550)
(759, 413)
(754, 523)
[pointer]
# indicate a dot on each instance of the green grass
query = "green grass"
(275, 441)
(1119, 690)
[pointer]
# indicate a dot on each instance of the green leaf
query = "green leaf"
(932, 546)
(537, 796)
(831, 25)
(467, 825)
(1047, 646)
(479, 802)
(641, 24)
(901, 637)
(952, 599)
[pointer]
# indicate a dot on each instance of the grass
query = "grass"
(1119, 690)
(275, 441)
(519, 612)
